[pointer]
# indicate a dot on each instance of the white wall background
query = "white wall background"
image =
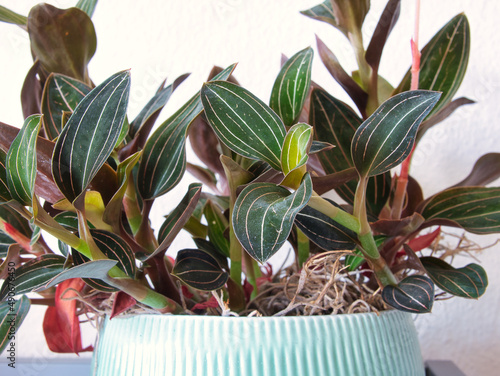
(159, 39)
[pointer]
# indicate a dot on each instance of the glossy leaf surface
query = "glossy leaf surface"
(476, 209)
(386, 138)
(295, 147)
(12, 310)
(64, 40)
(291, 86)
(263, 216)
(21, 161)
(34, 274)
(243, 122)
(4, 185)
(164, 155)
(90, 135)
(92, 269)
(199, 270)
(61, 95)
(443, 61)
(467, 282)
(414, 294)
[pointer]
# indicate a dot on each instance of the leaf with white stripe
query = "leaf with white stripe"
(243, 122)
(443, 61)
(414, 294)
(387, 137)
(291, 86)
(322, 12)
(468, 282)
(8, 310)
(475, 209)
(34, 274)
(61, 94)
(21, 161)
(4, 185)
(199, 269)
(296, 147)
(93, 269)
(263, 216)
(164, 155)
(90, 135)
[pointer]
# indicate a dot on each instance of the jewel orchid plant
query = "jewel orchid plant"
(80, 171)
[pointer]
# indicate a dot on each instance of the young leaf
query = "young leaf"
(467, 282)
(199, 270)
(414, 294)
(8, 311)
(164, 155)
(322, 12)
(476, 209)
(263, 216)
(64, 40)
(90, 135)
(386, 138)
(485, 170)
(443, 61)
(61, 94)
(6, 15)
(243, 122)
(217, 224)
(93, 269)
(21, 161)
(34, 274)
(296, 147)
(291, 86)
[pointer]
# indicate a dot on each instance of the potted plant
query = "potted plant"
(98, 175)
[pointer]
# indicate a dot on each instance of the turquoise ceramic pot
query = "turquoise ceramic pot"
(348, 345)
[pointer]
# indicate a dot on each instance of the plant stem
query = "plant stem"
(145, 235)
(303, 248)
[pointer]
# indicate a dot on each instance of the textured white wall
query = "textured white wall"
(159, 39)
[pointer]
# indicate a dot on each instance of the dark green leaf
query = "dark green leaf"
(443, 61)
(34, 274)
(90, 135)
(5, 242)
(176, 220)
(485, 170)
(88, 6)
(164, 155)
(476, 209)
(263, 216)
(64, 40)
(4, 185)
(114, 248)
(12, 310)
(199, 270)
(212, 250)
(243, 122)
(6, 15)
(387, 137)
(61, 94)
(322, 12)
(414, 294)
(93, 269)
(21, 161)
(12, 217)
(323, 231)
(31, 91)
(467, 282)
(217, 224)
(319, 146)
(291, 86)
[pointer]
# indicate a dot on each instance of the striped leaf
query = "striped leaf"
(217, 225)
(336, 123)
(12, 314)
(296, 147)
(61, 94)
(467, 282)
(34, 274)
(414, 294)
(6, 15)
(114, 248)
(443, 61)
(93, 269)
(291, 86)
(387, 137)
(322, 12)
(323, 231)
(13, 218)
(4, 185)
(21, 161)
(243, 122)
(263, 216)
(199, 270)
(90, 135)
(5, 242)
(88, 6)
(64, 42)
(476, 209)
(164, 155)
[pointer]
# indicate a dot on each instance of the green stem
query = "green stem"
(303, 247)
